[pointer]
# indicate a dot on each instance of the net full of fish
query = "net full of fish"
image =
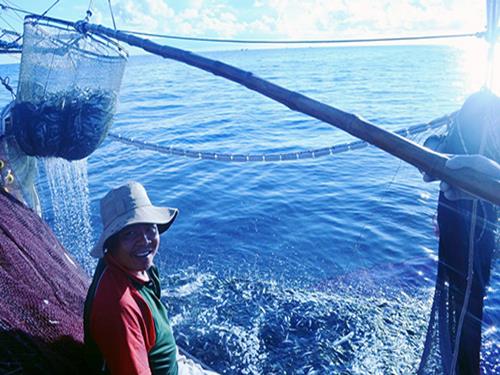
(67, 89)
(70, 124)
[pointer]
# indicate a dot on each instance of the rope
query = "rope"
(218, 40)
(89, 11)
(468, 289)
(112, 15)
(7, 22)
(10, 47)
(15, 9)
(10, 32)
(246, 41)
(50, 8)
(275, 157)
(6, 83)
(470, 273)
(492, 20)
(325, 41)
(16, 13)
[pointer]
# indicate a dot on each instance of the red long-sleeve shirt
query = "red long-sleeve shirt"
(121, 311)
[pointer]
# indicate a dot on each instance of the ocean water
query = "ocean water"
(321, 266)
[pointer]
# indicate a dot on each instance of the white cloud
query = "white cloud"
(160, 8)
(199, 18)
(307, 19)
(264, 25)
(368, 18)
(135, 15)
(211, 20)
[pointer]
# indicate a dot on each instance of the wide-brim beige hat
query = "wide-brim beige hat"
(126, 205)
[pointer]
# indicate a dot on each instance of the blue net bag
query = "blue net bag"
(68, 88)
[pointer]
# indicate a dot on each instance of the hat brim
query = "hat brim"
(161, 216)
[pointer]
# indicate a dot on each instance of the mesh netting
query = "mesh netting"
(467, 243)
(42, 292)
(454, 225)
(68, 89)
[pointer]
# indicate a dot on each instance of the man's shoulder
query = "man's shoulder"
(115, 289)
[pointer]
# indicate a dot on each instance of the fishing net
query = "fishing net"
(467, 243)
(68, 88)
(42, 292)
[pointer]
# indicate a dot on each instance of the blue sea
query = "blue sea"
(319, 266)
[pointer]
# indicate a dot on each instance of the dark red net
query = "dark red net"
(42, 292)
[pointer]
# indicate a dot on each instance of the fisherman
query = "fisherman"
(466, 239)
(127, 330)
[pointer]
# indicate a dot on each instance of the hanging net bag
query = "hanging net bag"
(68, 88)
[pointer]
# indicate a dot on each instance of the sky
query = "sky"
(271, 19)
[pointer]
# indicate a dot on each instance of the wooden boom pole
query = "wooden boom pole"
(429, 161)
